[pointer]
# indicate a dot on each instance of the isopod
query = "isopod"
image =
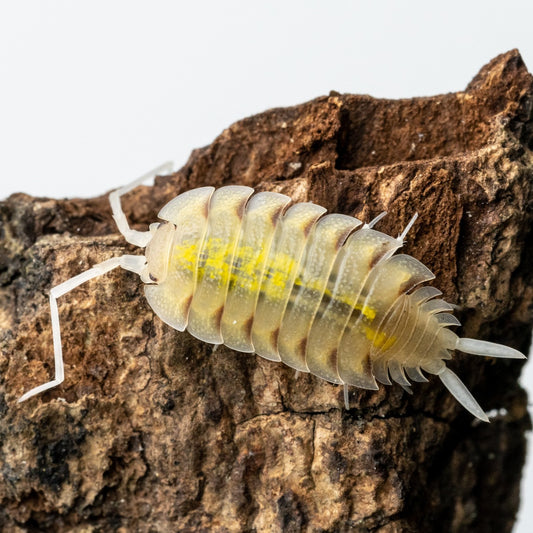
(322, 293)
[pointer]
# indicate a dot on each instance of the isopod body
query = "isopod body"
(322, 293)
(296, 285)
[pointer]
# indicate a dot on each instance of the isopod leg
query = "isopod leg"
(346, 397)
(128, 262)
(137, 238)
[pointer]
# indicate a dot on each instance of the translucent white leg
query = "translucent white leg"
(346, 397)
(128, 262)
(137, 238)
(404, 233)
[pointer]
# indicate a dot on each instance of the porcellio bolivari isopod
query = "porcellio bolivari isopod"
(322, 293)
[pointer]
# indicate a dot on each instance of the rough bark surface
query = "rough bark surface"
(152, 430)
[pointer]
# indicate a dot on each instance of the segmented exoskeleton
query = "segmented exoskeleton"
(321, 293)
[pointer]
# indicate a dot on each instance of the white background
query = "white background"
(93, 94)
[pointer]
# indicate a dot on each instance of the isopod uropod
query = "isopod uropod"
(318, 292)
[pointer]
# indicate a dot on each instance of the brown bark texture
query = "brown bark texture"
(153, 430)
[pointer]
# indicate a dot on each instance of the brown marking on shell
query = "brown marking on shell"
(278, 213)
(206, 207)
(342, 238)
(309, 226)
(274, 337)
(188, 301)
(332, 357)
(247, 326)
(217, 314)
(404, 287)
(240, 209)
(301, 345)
(377, 257)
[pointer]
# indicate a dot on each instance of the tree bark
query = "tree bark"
(153, 430)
